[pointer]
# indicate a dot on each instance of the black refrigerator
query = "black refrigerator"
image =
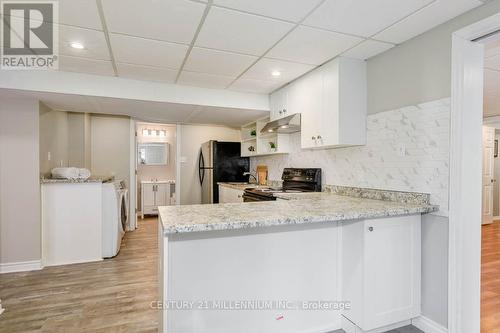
(220, 162)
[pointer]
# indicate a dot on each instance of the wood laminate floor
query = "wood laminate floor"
(110, 296)
(490, 278)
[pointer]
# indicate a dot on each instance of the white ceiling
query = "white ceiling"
(236, 44)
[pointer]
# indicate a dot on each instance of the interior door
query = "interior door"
(488, 176)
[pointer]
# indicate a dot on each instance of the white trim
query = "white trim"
(427, 325)
(21, 266)
(465, 177)
(132, 191)
(178, 153)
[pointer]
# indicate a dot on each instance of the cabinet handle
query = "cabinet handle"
(239, 195)
(313, 138)
(281, 112)
(284, 110)
(319, 137)
(370, 229)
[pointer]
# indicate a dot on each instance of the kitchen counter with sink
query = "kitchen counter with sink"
(307, 262)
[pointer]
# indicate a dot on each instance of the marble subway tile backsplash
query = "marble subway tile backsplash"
(407, 150)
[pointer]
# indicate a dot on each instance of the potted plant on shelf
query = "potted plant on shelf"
(253, 132)
(272, 147)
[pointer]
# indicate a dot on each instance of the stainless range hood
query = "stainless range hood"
(289, 124)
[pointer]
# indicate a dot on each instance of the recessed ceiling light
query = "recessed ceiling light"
(270, 130)
(276, 73)
(77, 45)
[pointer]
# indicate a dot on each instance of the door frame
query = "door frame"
(464, 266)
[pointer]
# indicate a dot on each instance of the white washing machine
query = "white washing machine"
(114, 217)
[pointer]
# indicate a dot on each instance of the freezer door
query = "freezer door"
(205, 172)
(207, 191)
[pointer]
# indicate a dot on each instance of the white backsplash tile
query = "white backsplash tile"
(422, 129)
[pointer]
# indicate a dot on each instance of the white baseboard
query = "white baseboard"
(428, 326)
(21, 266)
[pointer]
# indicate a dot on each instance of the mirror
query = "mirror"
(155, 153)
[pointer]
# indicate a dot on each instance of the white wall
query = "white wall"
(79, 140)
(19, 181)
(53, 138)
(192, 136)
(110, 148)
(418, 70)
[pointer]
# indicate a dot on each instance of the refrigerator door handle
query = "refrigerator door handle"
(201, 168)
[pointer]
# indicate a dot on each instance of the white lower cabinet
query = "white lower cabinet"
(381, 269)
(153, 195)
(228, 194)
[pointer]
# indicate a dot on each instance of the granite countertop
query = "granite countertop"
(92, 179)
(238, 186)
(300, 208)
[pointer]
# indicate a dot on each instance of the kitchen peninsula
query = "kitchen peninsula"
(296, 254)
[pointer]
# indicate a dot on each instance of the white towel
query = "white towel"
(70, 173)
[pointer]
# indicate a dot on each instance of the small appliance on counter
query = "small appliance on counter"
(295, 180)
(262, 174)
(220, 162)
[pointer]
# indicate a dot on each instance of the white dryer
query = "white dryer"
(114, 217)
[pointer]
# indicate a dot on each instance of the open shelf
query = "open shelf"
(261, 141)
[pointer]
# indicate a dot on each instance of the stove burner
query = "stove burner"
(294, 181)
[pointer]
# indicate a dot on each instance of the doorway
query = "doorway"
(155, 167)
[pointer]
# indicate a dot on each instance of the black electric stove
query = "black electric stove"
(295, 180)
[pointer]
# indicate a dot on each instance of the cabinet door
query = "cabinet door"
(222, 194)
(330, 104)
(392, 270)
(311, 104)
(278, 103)
(148, 194)
(162, 195)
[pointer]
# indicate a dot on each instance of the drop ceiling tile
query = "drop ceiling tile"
(291, 10)
(94, 42)
(255, 86)
(167, 20)
(368, 49)
(312, 46)
(80, 13)
(217, 62)
(146, 73)
(264, 67)
(148, 52)
(84, 65)
(492, 62)
(361, 17)
(426, 19)
(234, 31)
(204, 80)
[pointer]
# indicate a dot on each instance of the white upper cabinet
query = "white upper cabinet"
(332, 102)
(278, 102)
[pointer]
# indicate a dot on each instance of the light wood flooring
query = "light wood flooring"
(490, 278)
(110, 296)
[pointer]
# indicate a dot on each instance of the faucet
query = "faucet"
(246, 173)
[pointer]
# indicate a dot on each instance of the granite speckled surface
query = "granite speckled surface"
(92, 179)
(306, 208)
(237, 186)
